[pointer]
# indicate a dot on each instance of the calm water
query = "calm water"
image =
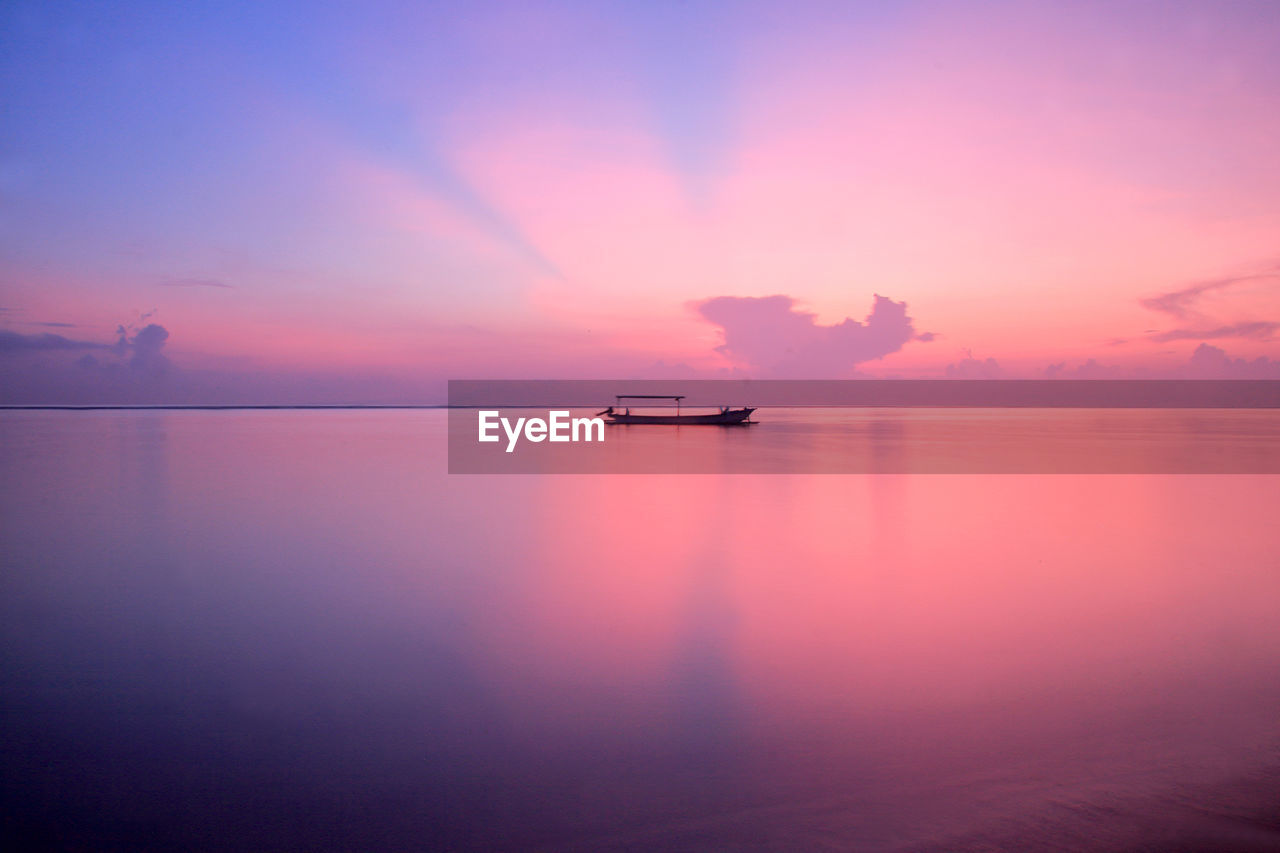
(294, 630)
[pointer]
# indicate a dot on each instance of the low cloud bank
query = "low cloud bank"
(764, 338)
(1206, 362)
(1210, 362)
(972, 368)
(51, 368)
(12, 343)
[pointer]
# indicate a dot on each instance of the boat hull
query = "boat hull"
(729, 418)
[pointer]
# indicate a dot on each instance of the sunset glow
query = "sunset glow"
(366, 205)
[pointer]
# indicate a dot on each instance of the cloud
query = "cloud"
(1184, 304)
(1091, 369)
(146, 346)
(13, 342)
(1206, 362)
(972, 368)
(770, 336)
(197, 282)
(1259, 330)
(1210, 362)
(52, 368)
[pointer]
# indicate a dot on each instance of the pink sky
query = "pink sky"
(400, 197)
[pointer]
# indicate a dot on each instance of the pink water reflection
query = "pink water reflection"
(887, 662)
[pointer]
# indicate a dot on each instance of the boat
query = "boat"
(620, 413)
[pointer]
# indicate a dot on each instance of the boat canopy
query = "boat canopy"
(649, 397)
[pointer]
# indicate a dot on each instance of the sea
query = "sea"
(291, 629)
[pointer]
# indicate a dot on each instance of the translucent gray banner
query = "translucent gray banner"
(863, 427)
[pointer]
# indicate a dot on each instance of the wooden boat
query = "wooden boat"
(725, 417)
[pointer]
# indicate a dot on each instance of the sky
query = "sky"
(321, 202)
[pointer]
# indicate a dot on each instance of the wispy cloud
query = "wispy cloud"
(1258, 330)
(13, 342)
(1182, 303)
(1185, 305)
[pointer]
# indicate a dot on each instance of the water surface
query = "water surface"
(275, 629)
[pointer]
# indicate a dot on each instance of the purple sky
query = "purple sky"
(357, 202)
